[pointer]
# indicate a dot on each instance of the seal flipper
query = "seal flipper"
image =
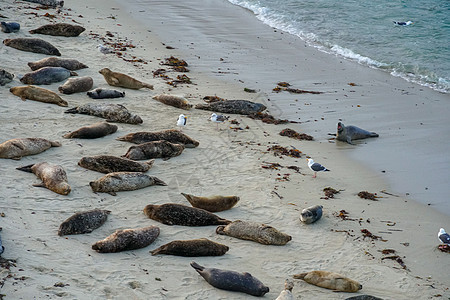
(374, 134)
(159, 181)
(197, 267)
(72, 111)
(42, 185)
(300, 276)
(219, 230)
(26, 168)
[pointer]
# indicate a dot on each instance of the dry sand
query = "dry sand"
(226, 162)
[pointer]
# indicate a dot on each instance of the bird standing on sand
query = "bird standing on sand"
(316, 167)
(181, 122)
(403, 23)
(218, 119)
(104, 49)
(444, 237)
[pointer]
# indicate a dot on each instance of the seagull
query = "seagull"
(104, 49)
(403, 23)
(181, 122)
(444, 237)
(316, 167)
(218, 119)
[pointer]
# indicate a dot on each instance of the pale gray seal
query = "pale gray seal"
(177, 214)
(173, 100)
(100, 93)
(83, 222)
(47, 75)
(311, 214)
(93, 131)
(156, 149)
(123, 181)
(59, 29)
(198, 247)
(76, 85)
(17, 148)
(232, 281)
(32, 45)
(122, 80)
(109, 164)
(53, 177)
(5, 77)
(8, 27)
(127, 239)
(286, 294)
(111, 112)
(330, 280)
(170, 135)
(363, 297)
(69, 64)
(213, 203)
(242, 107)
(350, 133)
(39, 94)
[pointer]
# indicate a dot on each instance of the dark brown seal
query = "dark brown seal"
(124, 181)
(127, 239)
(170, 135)
(39, 94)
(17, 148)
(109, 164)
(93, 131)
(32, 45)
(111, 112)
(177, 214)
(198, 247)
(330, 280)
(256, 232)
(59, 29)
(122, 80)
(76, 85)
(172, 100)
(83, 222)
(156, 149)
(69, 64)
(231, 280)
(53, 177)
(213, 203)
(242, 107)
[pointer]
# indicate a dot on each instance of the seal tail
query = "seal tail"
(26, 168)
(72, 73)
(197, 267)
(300, 276)
(159, 181)
(72, 110)
(150, 163)
(219, 230)
(187, 196)
(146, 85)
(156, 251)
(55, 144)
(374, 134)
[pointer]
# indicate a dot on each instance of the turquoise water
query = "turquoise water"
(365, 31)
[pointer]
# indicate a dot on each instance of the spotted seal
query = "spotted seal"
(83, 222)
(59, 29)
(5, 77)
(51, 3)
(198, 247)
(39, 94)
(109, 164)
(68, 63)
(350, 133)
(156, 149)
(173, 100)
(127, 239)
(76, 85)
(330, 280)
(123, 181)
(242, 107)
(111, 112)
(213, 203)
(17, 148)
(231, 280)
(8, 27)
(122, 80)
(53, 177)
(170, 135)
(100, 93)
(311, 214)
(32, 45)
(93, 131)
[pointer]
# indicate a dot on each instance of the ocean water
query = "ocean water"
(365, 31)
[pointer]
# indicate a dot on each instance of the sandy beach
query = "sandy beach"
(227, 50)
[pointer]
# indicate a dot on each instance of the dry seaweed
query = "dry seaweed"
(397, 259)
(211, 99)
(269, 119)
(343, 215)
(367, 195)
(295, 135)
(249, 90)
(388, 251)
(272, 166)
(367, 233)
(283, 84)
(444, 248)
(330, 192)
(280, 150)
(175, 62)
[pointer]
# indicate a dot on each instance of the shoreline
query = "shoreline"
(226, 162)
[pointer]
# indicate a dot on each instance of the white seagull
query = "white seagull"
(218, 119)
(316, 167)
(444, 237)
(103, 49)
(181, 122)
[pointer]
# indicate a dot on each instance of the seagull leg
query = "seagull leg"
(315, 175)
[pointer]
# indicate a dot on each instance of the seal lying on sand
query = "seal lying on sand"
(330, 280)
(109, 164)
(256, 232)
(51, 3)
(5, 77)
(59, 29)
(231, 280)
(286, 294)
(122, 80)
(76, 85)
(350, 133)
(198, 247)
(123, 181)
(47, 75)
(32, 45)
(93, 131)
(363, 297)
(17, 148)
(172, 100)
(177, 214)
(127, 239)
(99, 93)
(212, 204)
(53, 177)
(170, 135)
(36, 93)
(83, 222)
(69, 64)
(8, 27)
(156, 149)
(242, 107)
(311, 214)
(111, 112)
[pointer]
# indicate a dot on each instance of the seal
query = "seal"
(69, 64)
(231, 280)
(213, 203)
(5, 77)
(156, 149)
(17, 148)
(122, 80)
(8, 27)
(256, 232)
(51, 3)
(311, 214)
(110, 164)
(286, 294)
(39, 94)
(76, 85)
(363, 297)
(172, 100)
(47, 75)
(190, 248)
(170, 135)
(242, 107)
(111, 112)
(177, 214)
(83, 222)
(123, 181)
(93, 131)
(127, 239)
(350, 133)
(330, 280)
(99, 93)
(53, 177)
(32, 45)
(59, 29)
